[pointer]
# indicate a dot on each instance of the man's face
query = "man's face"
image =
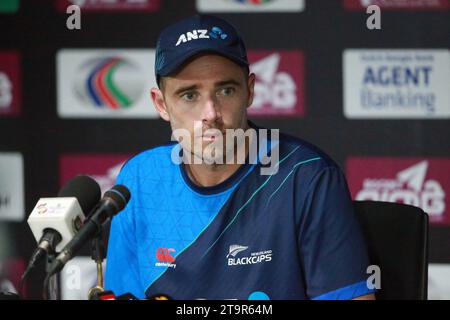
(210, 90)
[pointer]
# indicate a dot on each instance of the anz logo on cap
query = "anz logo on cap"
(215, 33)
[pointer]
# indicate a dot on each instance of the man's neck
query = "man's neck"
(205, 175)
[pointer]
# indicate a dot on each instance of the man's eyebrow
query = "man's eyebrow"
(217, 84)
(227, 82)
(186, 88)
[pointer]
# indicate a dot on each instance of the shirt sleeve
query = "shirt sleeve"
(122, 271)
(332, 247)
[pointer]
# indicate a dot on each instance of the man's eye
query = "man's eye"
(228, 91)
(188, 96)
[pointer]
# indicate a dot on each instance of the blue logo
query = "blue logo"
(217, 33)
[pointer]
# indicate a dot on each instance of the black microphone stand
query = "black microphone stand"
(51, 288)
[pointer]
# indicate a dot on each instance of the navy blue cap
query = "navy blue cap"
(197, 34)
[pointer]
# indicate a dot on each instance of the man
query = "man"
(202, 226)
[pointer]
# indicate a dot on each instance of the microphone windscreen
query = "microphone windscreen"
(85, 189)
(120, 195)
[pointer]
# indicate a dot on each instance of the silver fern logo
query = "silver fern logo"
(235, 249)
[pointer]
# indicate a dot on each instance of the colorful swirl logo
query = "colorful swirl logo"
(253, 2)
(111, 82)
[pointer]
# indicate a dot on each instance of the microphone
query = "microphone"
(54, 221)
(113, 201)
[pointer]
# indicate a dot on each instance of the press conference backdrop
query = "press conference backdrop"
(378, 101)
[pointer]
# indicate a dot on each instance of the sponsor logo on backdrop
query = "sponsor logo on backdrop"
(102, 168)
(423, 183)
(398, 4)
(105, 83)
(250, 5)
(78, 277)
(11, 187)
(98, 83)
(109, 5)
(396, 83)
(279, 87)
(10, 83)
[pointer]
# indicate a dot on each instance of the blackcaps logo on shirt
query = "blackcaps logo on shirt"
(215, 33)
(253, 258)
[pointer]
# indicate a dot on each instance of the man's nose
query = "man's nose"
(211, 110)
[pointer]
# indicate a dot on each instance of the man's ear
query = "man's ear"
(159, 103)
(251, 88)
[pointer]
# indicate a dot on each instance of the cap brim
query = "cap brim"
(178, 63)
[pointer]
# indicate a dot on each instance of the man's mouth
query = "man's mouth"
(209, 137)
(211, 134)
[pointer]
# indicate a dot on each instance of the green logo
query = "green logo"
(9, 6)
